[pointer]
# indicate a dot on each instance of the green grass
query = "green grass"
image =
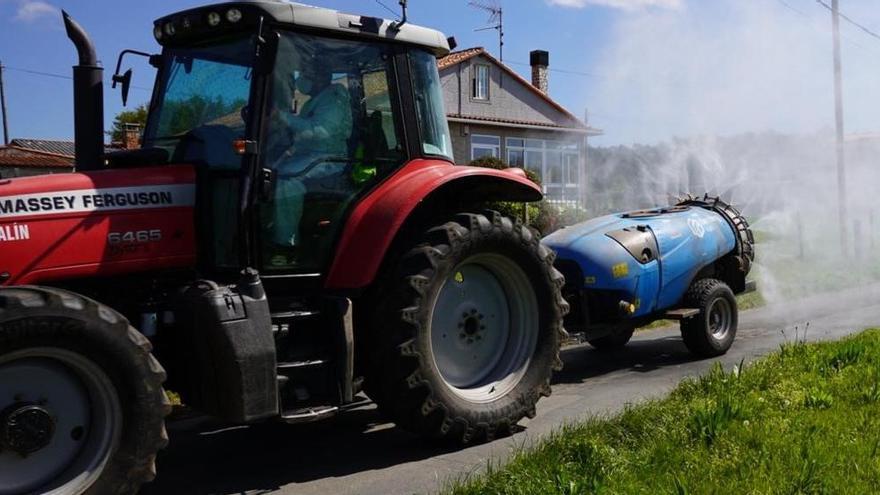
(805, 419)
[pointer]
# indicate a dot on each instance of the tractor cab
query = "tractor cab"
(290, 114)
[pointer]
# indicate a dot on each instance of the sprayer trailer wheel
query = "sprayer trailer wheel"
(81, 401)
(468, 333)
(711, 332)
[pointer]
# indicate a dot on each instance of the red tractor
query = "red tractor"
(292, 232)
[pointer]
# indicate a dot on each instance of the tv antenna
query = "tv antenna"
(495, 21)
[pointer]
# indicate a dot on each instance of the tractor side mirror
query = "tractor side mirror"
(125, 79)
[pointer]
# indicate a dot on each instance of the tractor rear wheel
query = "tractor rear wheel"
(711, 332)
(467, 333)
(81, 401)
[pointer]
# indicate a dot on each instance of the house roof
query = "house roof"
(63, 148)
(458, 57)
(16, 155)
(521, 123)
(45, 153)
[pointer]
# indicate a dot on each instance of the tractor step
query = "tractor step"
(751, 286)
(681, 313)
(302, 364)
(308, 414)
(282, 321)
(294, 315)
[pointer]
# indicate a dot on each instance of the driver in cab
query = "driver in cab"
(305, 141)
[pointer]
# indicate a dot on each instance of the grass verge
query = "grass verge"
(805, 419)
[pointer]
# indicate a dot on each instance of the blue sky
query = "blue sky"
(650, 69)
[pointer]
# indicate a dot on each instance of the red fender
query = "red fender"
(376, 220)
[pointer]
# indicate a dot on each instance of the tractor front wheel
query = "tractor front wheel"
(711, 332)
(81, 401)
(467, 333)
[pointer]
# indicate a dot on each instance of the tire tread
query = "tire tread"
(153, 436)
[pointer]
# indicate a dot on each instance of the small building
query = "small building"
(493, 111)
(24, 157)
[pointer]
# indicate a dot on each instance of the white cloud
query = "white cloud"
(34, 10)
(629, 5)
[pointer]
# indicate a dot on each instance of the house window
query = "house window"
(485, 146)
(557, 163)
(481, 82)
(572, 174)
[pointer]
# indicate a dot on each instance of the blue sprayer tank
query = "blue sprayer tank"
(636, 266)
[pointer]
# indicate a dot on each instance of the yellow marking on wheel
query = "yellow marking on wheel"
(459, 277)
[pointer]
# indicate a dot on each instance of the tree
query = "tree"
(136, 116)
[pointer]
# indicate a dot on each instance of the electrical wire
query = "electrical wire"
(789, 7)
(849, 20)
(561, 71)
(807, 17)
(56, 76)
(36, 72)
(389, 9)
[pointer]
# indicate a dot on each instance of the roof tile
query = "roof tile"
(459, 57)
(13, 156)
(63, 148)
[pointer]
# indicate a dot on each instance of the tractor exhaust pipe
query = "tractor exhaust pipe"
(88, 100)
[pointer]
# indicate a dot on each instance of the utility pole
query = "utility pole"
(838, 118)
(3, 108)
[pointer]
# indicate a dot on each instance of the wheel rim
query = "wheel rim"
(60, 420)
(720, 318)
(484, 327)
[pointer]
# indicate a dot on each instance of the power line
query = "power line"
(561, 71)
(56, 76)
(389, 9)
(849, 20)
(38, 73)
(789, 7)
(807, 17)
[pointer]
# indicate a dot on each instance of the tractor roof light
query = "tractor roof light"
(157, 32)
(233, 15)
(213, 19)
(170, 29)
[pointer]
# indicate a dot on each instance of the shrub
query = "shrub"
(543, 216)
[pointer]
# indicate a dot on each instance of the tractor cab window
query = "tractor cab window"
(435, 136)
(198, 111)
(331, 134)
(201, 103)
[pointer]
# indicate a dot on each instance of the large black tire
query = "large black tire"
(712, 331)
(117, 376)
(403, 376)
(616, 340)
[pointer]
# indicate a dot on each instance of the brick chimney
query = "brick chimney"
(131, 136)
(540, 62)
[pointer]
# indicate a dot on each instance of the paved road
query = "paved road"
(359, 454)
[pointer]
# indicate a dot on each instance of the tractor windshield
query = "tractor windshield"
(200, 104)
